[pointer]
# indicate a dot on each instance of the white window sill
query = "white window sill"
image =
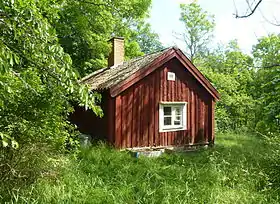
(172, 129)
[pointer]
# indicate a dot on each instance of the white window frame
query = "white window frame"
(172, 127)
(171, 76)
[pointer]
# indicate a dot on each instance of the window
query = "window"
(172, 116)
(171, 76)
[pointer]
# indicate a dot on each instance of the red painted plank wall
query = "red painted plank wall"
(137, 109)
(88, 123)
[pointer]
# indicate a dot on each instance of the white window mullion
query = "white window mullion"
(172, 115)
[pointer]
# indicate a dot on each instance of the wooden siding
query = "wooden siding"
(88, 123)
(136, 111)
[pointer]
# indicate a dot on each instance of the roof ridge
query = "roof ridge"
(131, 62)
(114, 66)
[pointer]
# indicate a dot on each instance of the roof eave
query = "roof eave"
(198, 75)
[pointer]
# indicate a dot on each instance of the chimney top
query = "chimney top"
(116, 55)
(116, 37)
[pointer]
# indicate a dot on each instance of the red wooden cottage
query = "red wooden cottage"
(160, 99)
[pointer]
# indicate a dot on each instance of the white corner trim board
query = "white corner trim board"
(172, 116)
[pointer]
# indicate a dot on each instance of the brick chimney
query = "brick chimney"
(116, 55)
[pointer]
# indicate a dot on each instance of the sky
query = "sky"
(165, 14)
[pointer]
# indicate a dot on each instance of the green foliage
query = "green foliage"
(21, 168)
(266, 88)
(199, 26)
(273, 162)
(37, 80)
(230, 71)
(84, 27)
(234, 171)
(147, 40)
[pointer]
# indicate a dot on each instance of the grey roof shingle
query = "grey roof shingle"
(110, 76)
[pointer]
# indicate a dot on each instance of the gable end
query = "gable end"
(172, 53)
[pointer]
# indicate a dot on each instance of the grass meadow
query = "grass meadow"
(235, 170)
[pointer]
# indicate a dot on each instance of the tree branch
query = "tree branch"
(275, 24)
(252, 11)
(107, 5)
(31, 62)
(270, 66)
(92, 3)
(265, 67)
(24, 82)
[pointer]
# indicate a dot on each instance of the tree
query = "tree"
(85, 26)
(37, 80)
(199, 26)
(54, 42)
(267, 83)
(231, 72)
(147, 40)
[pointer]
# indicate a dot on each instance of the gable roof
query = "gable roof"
(110, 76)
(119, 77)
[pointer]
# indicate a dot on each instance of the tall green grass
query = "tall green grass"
(233, 171)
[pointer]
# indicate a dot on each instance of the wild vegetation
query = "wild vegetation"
(46, 46)
(237, 170)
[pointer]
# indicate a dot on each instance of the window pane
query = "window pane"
(178, 117)
(167, 120)
(177, 120)
(178, 111)
(167, 110)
